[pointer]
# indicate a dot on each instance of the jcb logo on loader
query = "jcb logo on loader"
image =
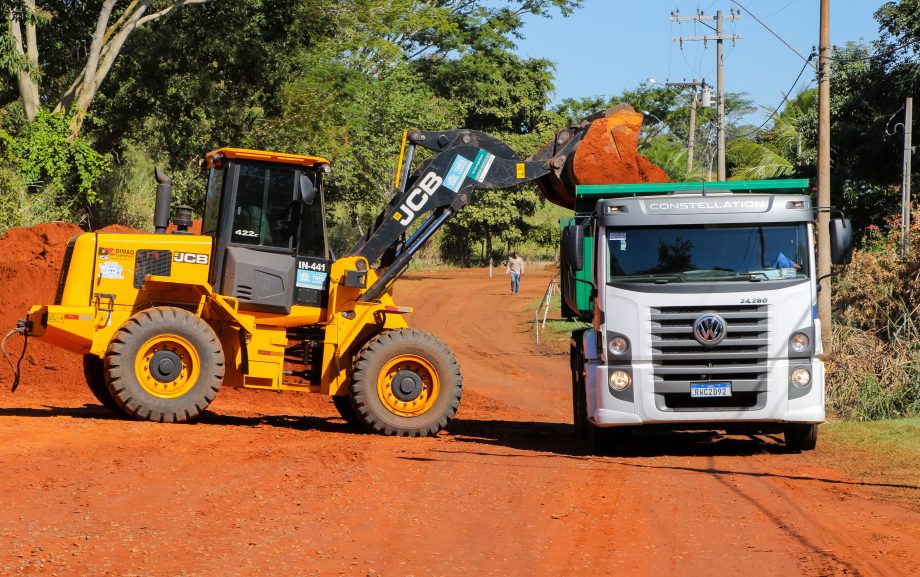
(417, 198)
(190, 258)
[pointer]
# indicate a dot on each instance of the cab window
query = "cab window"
(313, 224)
(264, 212)
(212, 201)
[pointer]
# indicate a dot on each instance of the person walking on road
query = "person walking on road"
(515, 269)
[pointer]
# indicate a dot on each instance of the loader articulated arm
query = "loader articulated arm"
(466, 160)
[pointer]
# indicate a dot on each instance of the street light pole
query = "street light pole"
(824, 176)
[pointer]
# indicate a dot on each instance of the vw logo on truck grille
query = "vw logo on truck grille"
(709, 330)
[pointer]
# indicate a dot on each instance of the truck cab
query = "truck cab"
(703, 302)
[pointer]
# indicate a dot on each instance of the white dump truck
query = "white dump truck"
(703, 301)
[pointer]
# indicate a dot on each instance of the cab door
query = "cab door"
(261, 227)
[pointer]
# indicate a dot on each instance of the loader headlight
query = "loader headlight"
(620, 379)
(800, 377)
(618, 345)
(799, 342)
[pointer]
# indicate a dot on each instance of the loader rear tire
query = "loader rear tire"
(165, 365)
(94, 372)
(406, 383)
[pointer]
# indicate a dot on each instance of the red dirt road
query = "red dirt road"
(277, 484)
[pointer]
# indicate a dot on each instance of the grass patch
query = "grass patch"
(877, 452)
(554, 338)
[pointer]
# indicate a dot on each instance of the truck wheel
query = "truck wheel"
(800, 437)
(603, 440)
(94, 373)
(346, 410)
(579, 398)
(406, 383)
(165, 365)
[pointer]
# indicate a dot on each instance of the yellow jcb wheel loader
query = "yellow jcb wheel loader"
(257, 300)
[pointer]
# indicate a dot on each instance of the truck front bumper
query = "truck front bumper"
(649, 402)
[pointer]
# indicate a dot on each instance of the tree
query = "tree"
(105, 33)
(492, 214)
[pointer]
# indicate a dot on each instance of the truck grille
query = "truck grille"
(740, 358)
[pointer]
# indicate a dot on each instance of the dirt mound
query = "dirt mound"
(29, 269)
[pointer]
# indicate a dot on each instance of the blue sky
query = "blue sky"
(611, 45)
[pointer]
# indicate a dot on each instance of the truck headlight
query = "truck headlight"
(618, 345)
(620, 379)
(799, 342)
(800, 377)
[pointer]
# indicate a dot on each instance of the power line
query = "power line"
(785, 98)
(790, 3)
(770, 30)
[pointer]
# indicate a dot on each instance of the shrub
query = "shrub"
(874, 366)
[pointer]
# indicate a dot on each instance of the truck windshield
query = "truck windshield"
(708, 253)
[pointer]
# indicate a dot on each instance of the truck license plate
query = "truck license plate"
(710, 390)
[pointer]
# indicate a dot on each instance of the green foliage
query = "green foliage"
(756, 161)
(495, 91)
(874, 367)
(546, 235)
(44, 153)
(671, 155)
(45, 174)
(357, 121)
(127, 194)
(493, 217)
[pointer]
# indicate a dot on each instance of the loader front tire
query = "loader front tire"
(165, 365)
(346, 410)
(94, 372)
(406, 383)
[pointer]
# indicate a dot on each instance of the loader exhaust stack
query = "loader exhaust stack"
(164, 200)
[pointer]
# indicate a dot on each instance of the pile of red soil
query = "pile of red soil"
(607, 153)
(30, 265)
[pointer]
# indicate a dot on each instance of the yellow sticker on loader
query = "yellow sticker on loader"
(520, 170)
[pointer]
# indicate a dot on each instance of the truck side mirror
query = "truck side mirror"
(841, 241)
(307, 189)
(573, 246)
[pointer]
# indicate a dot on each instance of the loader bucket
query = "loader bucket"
(601, 149)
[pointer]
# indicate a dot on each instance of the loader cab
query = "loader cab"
(265, 212)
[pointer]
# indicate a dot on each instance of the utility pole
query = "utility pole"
(693, 104)
(720, 79)
(824, 176)
(905, 183)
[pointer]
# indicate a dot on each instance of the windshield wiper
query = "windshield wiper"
(655, 278)
(721, 275)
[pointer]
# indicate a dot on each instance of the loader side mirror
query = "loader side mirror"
(307, 189)
(841, 241)
(573, 246)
